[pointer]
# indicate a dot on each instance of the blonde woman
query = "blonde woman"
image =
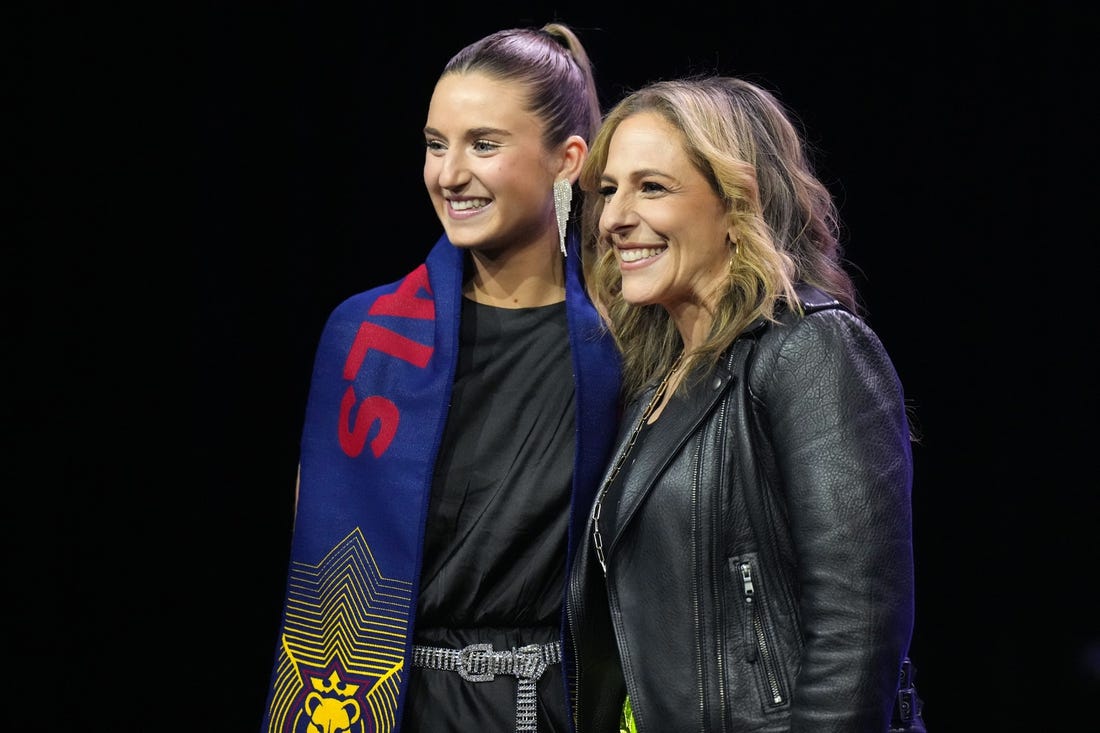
(748, 563)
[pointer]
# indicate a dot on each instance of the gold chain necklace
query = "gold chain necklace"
(597, 538)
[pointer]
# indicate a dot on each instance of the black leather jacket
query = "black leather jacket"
(800, 626)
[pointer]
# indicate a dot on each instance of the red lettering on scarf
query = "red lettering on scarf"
(370, 410)
(380, 338)
(403, 303)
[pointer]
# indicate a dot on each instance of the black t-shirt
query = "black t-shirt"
(495, 545)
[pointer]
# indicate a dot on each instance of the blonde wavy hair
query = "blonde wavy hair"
(743, 140)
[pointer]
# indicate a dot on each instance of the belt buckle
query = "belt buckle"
(529, 662)
(464, 658)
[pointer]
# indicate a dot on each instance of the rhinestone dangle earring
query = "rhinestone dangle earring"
(563, 197)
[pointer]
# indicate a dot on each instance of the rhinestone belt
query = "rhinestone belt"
(479, 663)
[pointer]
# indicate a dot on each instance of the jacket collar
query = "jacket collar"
(688, 408)
(680, 418)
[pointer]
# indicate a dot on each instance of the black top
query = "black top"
(495, 544)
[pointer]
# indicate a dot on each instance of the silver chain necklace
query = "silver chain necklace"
(597, 538)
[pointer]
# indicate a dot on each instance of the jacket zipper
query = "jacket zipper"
(573, 685)
(695, 590)
(758, 640)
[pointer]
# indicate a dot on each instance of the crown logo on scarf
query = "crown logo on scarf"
(334, 685)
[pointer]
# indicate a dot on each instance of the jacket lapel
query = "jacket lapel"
(665, 438)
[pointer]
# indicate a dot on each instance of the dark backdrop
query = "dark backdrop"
(206, 183)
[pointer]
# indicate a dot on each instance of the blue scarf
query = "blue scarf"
(374, 420)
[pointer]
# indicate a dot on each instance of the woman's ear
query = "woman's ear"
(733, 233)
(575, 150)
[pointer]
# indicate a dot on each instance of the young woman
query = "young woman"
(457, 423)
(748, 563)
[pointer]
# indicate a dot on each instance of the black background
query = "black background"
(198, 186)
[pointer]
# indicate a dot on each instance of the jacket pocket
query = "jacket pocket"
(756, 645)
